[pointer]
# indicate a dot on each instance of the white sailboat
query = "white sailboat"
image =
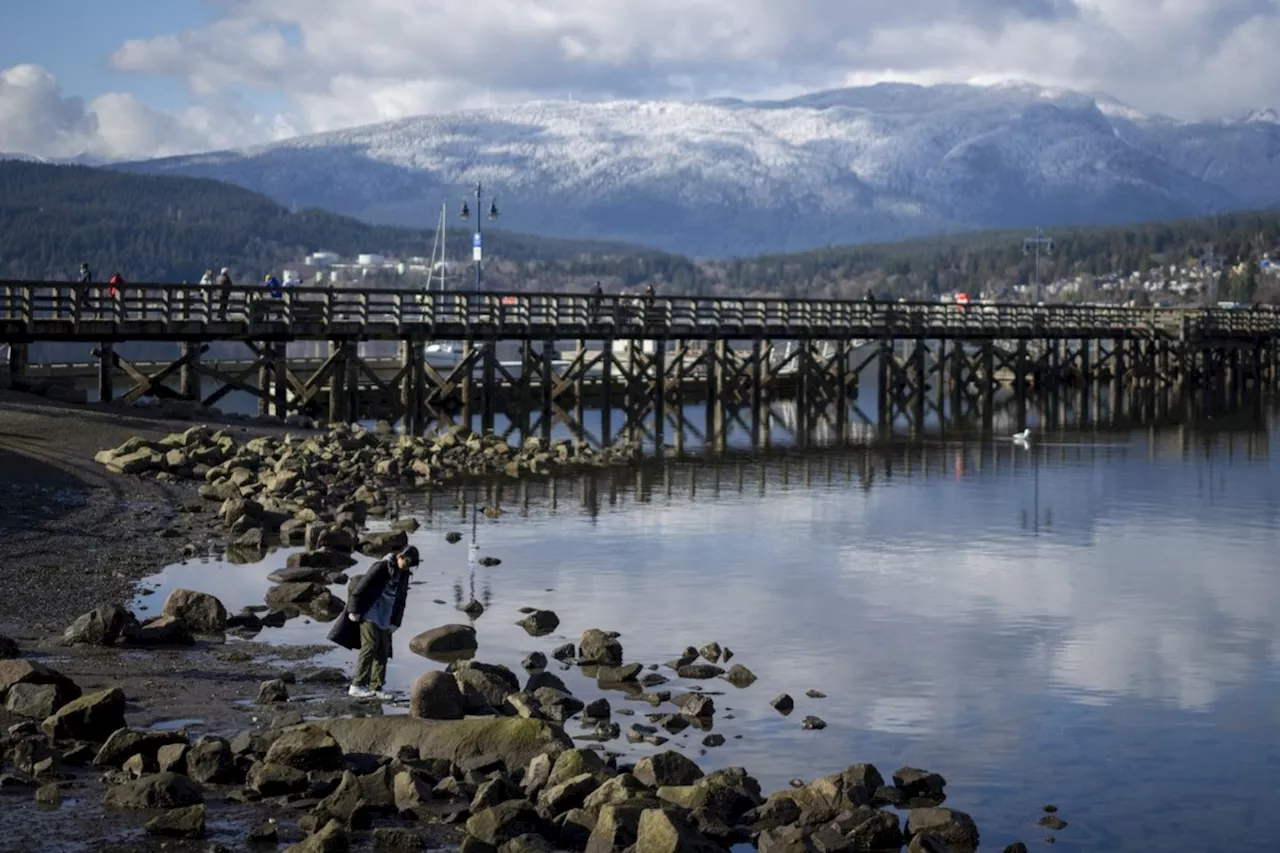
(440, 354)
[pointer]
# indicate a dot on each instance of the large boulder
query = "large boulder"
(157, 791)
(210, 761)
(485, 686)
(161, 631)
(202, 612)
(499, 824)
(299, 595)
(306, 747)
(382, 543)
(667, 768)
(23, 671)
(513, 740)
(663, 831)
(436, 696)
(93, 717)
(599, 647)
(445, 641)
(956, 828)
(36, 701)
(123, 744)
(101, 626)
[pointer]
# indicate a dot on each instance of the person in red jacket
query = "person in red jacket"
(116, 281)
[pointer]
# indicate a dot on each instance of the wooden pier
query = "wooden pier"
(643, 357)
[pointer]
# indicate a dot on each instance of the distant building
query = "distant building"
(370, 260)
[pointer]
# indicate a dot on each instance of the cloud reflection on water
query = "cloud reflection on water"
(942, 630)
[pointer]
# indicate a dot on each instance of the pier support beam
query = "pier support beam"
(106, 372)
(189, 374)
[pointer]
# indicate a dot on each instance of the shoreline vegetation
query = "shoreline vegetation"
(97, 713)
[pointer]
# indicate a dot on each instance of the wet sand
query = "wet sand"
(74, 536)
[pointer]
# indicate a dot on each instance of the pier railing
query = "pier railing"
(52, 310)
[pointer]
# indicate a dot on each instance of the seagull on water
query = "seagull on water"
(1022, 437)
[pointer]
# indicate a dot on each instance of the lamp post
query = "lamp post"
(1036, 242)
(1211, 262)
(476, 251)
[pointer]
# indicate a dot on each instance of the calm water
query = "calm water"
(1091, 623)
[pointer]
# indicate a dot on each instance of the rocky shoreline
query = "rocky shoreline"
(483, 760)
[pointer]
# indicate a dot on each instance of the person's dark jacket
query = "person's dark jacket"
(367, 590)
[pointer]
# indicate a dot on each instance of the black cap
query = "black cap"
(410, 555)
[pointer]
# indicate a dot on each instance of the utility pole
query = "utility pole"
(476, 252)
(1210, 262)
(1036, 242)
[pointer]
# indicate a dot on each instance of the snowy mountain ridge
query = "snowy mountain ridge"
(733, 177)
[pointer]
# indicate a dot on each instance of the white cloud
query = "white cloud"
(37, 118)
(338, 63)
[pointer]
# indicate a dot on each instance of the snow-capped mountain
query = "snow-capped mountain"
(730, 177)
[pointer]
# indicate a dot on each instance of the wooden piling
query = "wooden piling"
(280, 380)
(189, 373)
(106, 371)
(337, 382)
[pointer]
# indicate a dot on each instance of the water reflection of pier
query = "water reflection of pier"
(783, 422)
(861, 466)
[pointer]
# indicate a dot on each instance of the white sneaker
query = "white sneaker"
(357, 692)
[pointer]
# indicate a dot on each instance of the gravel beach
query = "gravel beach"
(73, 535)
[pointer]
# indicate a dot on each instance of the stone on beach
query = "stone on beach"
(436, 696)
(93, 717)
(599, 647)
(539, 623)
(444, 640)
(383, 543)
(157, 791)
(202, 612)
(101, 626)
(23, 671)
(161, 631)
(186, 822)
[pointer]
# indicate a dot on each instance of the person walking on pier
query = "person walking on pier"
(224, 299)
(86, 277)
(374, 611)
(273, 286)
(597, 297)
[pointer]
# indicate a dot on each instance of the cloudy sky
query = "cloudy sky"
(135, 78)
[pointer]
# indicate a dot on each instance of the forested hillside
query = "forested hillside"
(171, 229)
(151, 228)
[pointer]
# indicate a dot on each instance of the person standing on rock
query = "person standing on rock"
(373, 613)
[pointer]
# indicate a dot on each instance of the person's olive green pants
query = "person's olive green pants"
(375, 649)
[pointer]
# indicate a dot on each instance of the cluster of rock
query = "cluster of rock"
(516, 785)
(469, 687)
(285, 465)
(319, 490)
